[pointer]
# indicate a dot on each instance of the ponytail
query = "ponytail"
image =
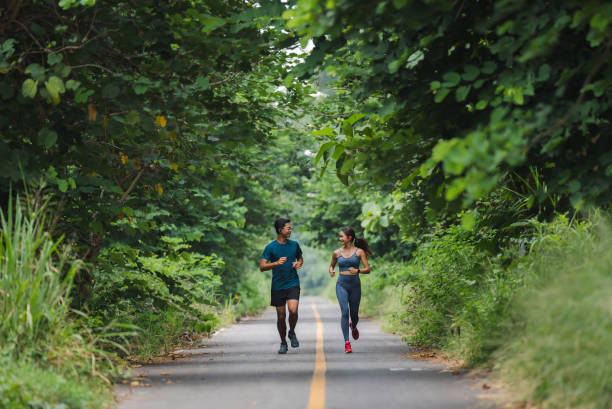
(359, 243)
(363, 245)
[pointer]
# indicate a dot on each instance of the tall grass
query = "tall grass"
(35, 280)
(49, 356)
(561, 339)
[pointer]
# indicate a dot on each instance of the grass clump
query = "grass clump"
(49, 358)
(560, 329)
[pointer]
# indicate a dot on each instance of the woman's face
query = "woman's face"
(343, 238)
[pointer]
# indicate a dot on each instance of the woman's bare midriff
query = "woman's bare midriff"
(347, 273)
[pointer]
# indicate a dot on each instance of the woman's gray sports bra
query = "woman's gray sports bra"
(344, 263)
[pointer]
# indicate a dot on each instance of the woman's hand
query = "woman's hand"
(331, 272)
(353, 270)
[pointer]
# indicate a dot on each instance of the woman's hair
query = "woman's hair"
(280, 223)
(360, 243)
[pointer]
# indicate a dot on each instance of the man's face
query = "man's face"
(286, 230)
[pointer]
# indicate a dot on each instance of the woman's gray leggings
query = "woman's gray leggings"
(348, 291)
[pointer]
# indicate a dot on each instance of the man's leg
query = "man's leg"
(281, 316)
(292, 304)
(293, 313)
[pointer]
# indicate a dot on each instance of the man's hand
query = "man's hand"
(281, 261)
(297, 265)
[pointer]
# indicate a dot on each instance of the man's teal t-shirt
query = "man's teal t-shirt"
(283, 276)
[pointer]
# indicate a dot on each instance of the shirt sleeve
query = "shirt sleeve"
(267, 253)
(298, 251)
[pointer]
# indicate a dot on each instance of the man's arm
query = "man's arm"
(265, 265)
(298, 264)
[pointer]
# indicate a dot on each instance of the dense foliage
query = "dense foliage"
(454, 100)
(165, 139)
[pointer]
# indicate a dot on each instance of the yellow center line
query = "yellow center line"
(317, 386)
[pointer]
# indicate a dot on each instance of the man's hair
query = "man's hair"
(280, 223)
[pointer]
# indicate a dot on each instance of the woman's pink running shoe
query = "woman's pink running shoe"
(347, 347)
(354, 331)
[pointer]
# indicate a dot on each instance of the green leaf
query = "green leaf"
(468, 221)
(72, 84)
(339, 150)
(462, 92)
(518, 96)
(339, 164)
(62, 185)
(471, 73)
(212, 23)
(132, 118)
(327, 131)
(55, 87)
(347, 124)
(455, 189)
(482, 104)
(54, 58)
(488, 67)
(36, 71)
(29, 88)
(441, 94)
(322, 150)
(289, 80)
(46, 138)
(63, 70)
(544, 72)
(347, 165)
(395, 65)
(452, 78)
(353, 118)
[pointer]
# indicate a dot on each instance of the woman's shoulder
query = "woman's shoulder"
(336, 252)
(359, 252)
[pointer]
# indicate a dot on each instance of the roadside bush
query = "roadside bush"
(170, 297)
(448, 271)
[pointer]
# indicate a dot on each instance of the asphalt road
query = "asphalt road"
(240, 368)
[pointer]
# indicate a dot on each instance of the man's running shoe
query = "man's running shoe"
(347, 347)
(294, 341)
(283, 348)
(354, 331)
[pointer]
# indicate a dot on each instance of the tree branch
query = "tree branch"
(127, 192)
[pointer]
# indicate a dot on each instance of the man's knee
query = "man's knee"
(281, 316)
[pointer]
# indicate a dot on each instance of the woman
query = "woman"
(348, 286)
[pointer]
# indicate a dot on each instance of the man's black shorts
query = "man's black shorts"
(279, 297)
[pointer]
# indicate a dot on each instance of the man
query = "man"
(284, 258)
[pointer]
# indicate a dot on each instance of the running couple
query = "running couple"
(284, 258)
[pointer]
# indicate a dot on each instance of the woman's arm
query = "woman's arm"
(364, 260)
(333, 264)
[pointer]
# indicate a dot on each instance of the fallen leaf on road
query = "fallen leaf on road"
(485, 386)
